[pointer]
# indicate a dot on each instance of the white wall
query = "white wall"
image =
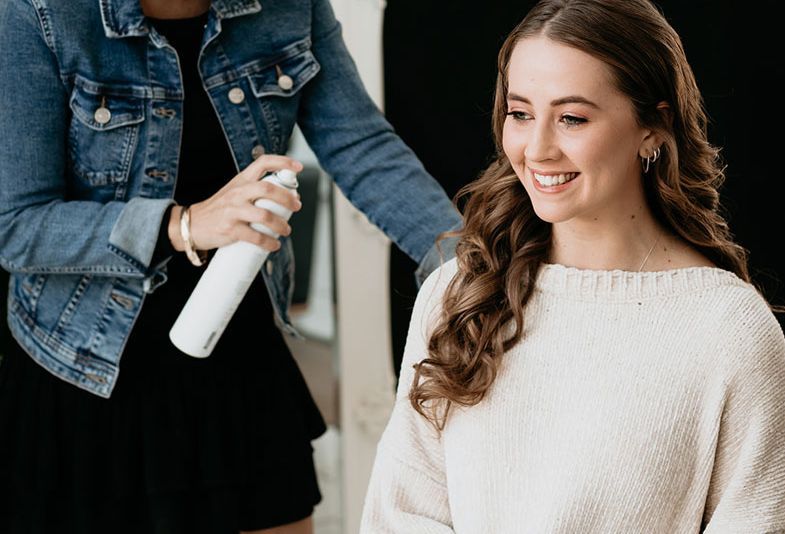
(362, 251)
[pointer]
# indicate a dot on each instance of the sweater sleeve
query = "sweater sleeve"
(747, 489)
(408, 486)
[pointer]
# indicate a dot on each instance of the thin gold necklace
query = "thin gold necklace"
(649, 253)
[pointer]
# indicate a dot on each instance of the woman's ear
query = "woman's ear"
(654, 139)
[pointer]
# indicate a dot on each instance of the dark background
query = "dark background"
(440, 71)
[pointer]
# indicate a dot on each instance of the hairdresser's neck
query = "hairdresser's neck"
(174, 9)
(609, 241)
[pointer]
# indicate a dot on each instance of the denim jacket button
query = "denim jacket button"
(285, 82)
(102, 115)
(257, 151)
(236, 95)
(269, 267)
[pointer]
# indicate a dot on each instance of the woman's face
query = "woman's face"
(571, 136)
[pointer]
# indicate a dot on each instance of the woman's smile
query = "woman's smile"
(553, 181)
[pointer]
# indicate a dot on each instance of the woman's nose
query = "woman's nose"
(541, 144)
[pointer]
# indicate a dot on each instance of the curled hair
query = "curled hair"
(503, 243)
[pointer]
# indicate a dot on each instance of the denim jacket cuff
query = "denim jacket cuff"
(441, 252)
(134, 235)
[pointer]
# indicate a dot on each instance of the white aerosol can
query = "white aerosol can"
(225, 282)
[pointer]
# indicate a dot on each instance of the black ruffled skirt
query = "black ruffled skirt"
(183, 445)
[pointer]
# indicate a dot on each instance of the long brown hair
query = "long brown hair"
(503, 243)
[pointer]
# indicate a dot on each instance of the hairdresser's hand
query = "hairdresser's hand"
(225, 217)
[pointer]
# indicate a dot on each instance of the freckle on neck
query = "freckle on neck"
(632, 216)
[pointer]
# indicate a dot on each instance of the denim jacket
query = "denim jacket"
(91, 101)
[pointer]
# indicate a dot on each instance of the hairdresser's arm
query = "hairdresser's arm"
(40, 230)
(376, 171)
(747, 490)
(408, 487)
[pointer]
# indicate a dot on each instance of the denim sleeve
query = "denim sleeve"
(40, 229)
(355, 144)
(439, 254)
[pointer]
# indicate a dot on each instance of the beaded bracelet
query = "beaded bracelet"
(195, 257)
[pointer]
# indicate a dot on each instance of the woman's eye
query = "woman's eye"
(572, 120)
(519, 115)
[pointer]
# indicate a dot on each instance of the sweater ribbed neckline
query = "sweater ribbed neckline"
(618, 285)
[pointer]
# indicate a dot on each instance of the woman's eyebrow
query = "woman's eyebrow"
(572, 99)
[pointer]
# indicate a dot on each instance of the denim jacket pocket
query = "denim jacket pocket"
(103, 135)
(277, 85)
(26, 289)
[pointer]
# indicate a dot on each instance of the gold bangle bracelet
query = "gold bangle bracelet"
(195, 257)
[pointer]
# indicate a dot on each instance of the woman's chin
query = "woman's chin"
(550, 215)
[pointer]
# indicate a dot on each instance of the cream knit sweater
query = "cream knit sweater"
(636, 402)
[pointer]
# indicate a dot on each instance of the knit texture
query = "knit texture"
(636, 402)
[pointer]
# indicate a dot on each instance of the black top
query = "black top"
(206, 164)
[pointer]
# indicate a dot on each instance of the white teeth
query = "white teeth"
(548, 180)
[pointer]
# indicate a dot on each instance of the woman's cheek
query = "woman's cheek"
(512, 145)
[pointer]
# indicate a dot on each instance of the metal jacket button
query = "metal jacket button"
(285, 82)
(102, 115)
(236, 95)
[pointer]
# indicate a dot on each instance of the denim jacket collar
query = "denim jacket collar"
(124, 18)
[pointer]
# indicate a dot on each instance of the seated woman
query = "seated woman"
(595, 359)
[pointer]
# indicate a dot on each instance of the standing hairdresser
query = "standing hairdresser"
(134, 136)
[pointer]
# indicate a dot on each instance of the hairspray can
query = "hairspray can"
(225, 282)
